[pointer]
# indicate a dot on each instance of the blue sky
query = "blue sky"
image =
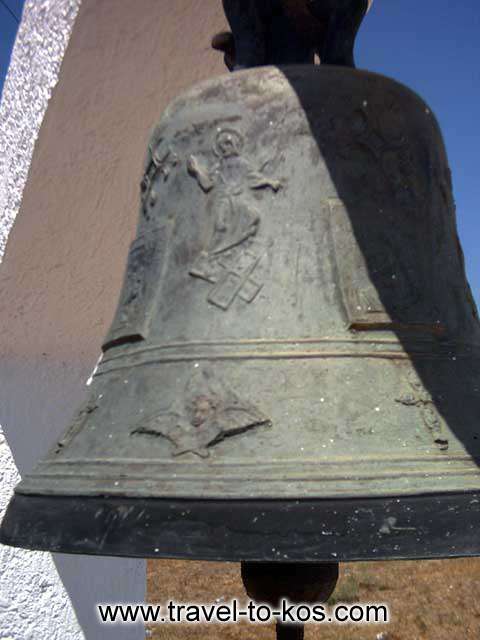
(433, 46)
(430, 45)
(8, 30)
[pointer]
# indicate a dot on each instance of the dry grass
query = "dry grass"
(436, 600)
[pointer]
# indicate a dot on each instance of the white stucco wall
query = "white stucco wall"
(33, 601)
(44, 597)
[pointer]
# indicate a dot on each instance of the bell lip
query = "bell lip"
(306, 530)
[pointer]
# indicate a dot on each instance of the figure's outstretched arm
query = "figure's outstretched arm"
(259, 181)
(200, 174)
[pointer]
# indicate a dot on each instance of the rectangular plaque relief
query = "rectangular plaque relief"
(381, 281)
(132, 319)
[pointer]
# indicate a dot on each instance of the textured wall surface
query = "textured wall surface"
(64, 262)
(33, 600)
(35, 64)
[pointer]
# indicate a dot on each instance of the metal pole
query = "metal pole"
(297, 582)
(290, 631)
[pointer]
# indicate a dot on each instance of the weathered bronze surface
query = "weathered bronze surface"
(295, 332)
(290, 32)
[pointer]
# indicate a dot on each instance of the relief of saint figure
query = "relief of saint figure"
(235, 219)
(228, 259)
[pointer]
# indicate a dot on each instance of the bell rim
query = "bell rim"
(347, 530)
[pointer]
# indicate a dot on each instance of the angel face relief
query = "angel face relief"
(208, 413)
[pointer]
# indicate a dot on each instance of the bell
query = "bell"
(292, 373)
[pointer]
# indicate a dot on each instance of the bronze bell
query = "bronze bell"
(292, 373)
